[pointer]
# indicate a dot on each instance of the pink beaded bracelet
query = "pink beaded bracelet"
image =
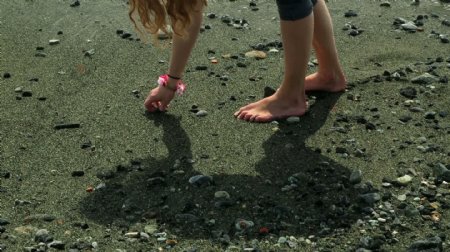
(164, 80)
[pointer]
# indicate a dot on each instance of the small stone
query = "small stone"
(201, 180)
(404, 180)
(293, 120)
(40, 54)
(75, 4)
(67, 126)
(425, 78)
(5, 174)
(405, 118)
(370, 198)
(409, 26)
(356, 177)
(256, 54)
(430, 115)
(151, 228)
(282, 240)
(385, 4)
(89, 53)
(221, 195)
(77, 173)
(243, 225)
(27, 93)
(53, 41)
(201, 68)
(401, 197)
(350, 13)
(408, 92)
(42, 235)
(433, 244)
(201, 113)
(125, 35)
(59, 245)
(3, 222)
(341, 150)
(132, 235)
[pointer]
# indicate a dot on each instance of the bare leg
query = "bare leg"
(290, 98)
(330, 76)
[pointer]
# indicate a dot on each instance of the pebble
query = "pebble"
(385, 4)
(370, 198)
(282, 240)
(53, 41)
(430, 244)
(3, 222)
(75, 4)
(401, 197)
(242, 224)
(293, 120)
(89, 53)
(151, 228)
(77, 173)
(356, 177)
(67, 126)
(201, 68)
(42, 235)
(408, 92)
(59, 245)
(221, 195)
(201, 180)
(440, 171)
(409, 26)
(425, 78)
(201, 113)
(350, 13)
(430, 115)
(27, 93)
(40, 54)
(256, 54)
(404, 180)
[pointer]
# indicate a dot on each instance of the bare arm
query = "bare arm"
(182, 47)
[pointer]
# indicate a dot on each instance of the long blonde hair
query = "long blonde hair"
(155, 14)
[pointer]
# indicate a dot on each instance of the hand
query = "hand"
(159, 99)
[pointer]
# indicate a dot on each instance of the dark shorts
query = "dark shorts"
(295, 9)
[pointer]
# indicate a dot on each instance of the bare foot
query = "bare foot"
(315, 82)
(271, 108)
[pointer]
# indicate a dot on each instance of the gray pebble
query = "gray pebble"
(430, 244)
(53, 41)
(425, 78)
(59, 245)
(42, 235)
(355, 177)
(293, 119)
(201, 180)
(370, 198)
(201, 113)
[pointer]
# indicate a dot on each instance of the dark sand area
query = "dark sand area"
(119, 179)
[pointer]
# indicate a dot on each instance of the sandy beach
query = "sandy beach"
(83, 167)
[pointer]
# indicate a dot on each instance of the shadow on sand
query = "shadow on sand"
(319, 197)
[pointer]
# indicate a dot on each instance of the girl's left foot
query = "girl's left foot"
(272, 108)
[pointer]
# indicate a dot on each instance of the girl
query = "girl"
(304, 23)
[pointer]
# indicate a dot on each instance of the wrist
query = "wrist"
(172, 83)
